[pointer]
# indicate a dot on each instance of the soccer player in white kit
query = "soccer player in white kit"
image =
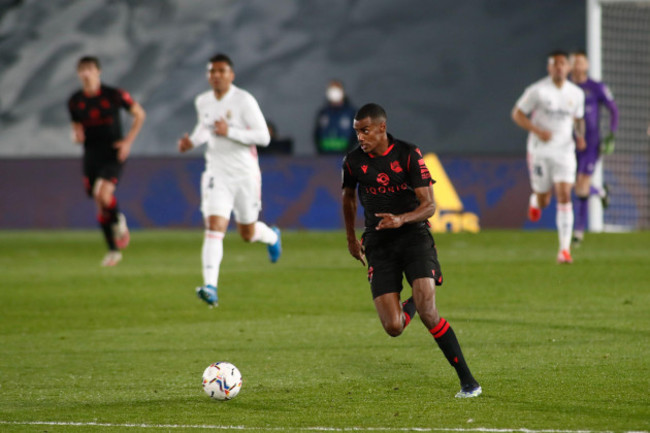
(231, 123)
(552, 111)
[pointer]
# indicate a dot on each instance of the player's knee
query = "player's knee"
(393, 328)
(104, 200)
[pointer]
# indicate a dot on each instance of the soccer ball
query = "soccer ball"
(222, 381)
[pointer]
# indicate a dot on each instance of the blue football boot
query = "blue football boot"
(208, 294)
(275, 250)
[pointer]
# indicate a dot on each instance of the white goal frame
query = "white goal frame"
(595, 54)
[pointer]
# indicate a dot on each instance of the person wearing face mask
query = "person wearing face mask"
(333, 132)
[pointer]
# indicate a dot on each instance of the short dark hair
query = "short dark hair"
(558, 53)
(372, 110)
(89, 59)
(579, 53)
(220, 57)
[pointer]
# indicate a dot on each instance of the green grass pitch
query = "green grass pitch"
(561, 348)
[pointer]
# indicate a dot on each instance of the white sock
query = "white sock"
(564, 222)
(264, 234)
(211, 256)
(533, 201)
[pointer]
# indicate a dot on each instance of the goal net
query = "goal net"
(619, 42)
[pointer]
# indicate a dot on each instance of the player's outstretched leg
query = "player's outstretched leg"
(113, 256)
(448, 343)
(260, 232)
(581, 207)
(424, 292)
(564, 222)
(211, 256)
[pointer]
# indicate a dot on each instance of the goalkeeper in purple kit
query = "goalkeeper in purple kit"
(596, 94)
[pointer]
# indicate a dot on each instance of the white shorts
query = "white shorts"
(546, 170)
(222, 196)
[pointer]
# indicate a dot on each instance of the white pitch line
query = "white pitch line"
(315, 428)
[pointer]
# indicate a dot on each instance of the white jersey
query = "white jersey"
(235, 155)
(553, 109)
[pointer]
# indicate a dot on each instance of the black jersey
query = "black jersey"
(100, 117)
(386, 183)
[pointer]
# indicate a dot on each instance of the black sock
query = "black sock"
(409, 310)
(107, 229)
(112, 211)
(448, 343)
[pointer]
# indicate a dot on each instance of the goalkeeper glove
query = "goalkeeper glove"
(607, 145)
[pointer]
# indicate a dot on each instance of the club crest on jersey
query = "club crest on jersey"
(364, 168)
(228, 114)
(396, 167)
(383, 179)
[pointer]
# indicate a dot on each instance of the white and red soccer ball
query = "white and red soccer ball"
(222, 381)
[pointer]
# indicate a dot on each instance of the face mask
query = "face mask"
(335, 94)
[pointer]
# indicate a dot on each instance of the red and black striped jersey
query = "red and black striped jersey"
(386, 183)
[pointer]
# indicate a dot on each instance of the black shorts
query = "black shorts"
(411, 253)
(110, 170)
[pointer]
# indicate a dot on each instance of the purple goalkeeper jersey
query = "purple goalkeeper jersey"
(597, 93)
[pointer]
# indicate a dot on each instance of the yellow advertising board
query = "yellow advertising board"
(450, 215)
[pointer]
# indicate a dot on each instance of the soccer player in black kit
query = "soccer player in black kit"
(95, 114)
(395, 190)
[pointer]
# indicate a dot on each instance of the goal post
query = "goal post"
(618, 46)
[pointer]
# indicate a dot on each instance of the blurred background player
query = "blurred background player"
(395, 190)
(231, 123)
(556, 107)
(95, 114)
(333, 132)
(596, 94)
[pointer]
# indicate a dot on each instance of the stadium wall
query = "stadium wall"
(298, 192)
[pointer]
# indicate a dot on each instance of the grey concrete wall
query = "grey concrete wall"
(447, 71)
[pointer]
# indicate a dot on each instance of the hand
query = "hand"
(123, 149)
(221, 127)
(356, 250)
(543, 134)
(185, 144)
(389, 221)
(607, 145)
(78, 135)
(581, 144)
